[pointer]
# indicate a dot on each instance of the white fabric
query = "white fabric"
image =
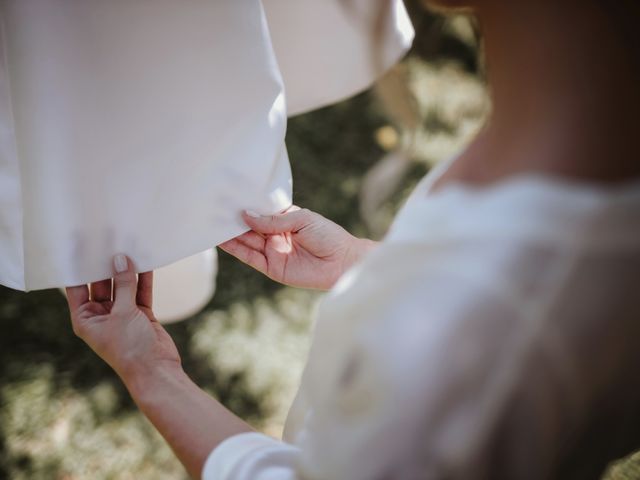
(317, 69)
(331, 49)
(184, 288)
(493, 334)
(132, 135)
(146, 127)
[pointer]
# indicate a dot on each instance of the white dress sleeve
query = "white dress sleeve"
(330, 50)
(252, 456)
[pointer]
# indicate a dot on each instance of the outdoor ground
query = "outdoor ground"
(65, 415)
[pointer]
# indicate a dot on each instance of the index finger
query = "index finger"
(144, 296)
(77, 296)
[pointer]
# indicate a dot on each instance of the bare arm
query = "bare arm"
(191, 421)
(125, 333)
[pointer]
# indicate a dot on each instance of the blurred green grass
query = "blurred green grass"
(65, 415)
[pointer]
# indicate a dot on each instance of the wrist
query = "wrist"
(146, 382)
(359, 248)
(366, 245)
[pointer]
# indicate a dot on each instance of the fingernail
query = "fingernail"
(120, 263)
(252, 214)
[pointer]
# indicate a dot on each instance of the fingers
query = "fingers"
(252, 240)
(77, 296)
(290, 221)
(101, 291)
(144, 296)
(245, 254)
(127, 290)
(124, 284)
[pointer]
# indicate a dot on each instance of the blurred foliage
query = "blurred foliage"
(626, 469)
(65, 415)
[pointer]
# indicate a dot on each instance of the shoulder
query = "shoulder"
(460, 334)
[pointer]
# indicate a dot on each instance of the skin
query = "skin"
(564, 93)
(565, 98)
(299, 248)
(126, 335)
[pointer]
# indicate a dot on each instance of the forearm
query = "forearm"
(190, 420)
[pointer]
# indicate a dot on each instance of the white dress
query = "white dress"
(145, 127)
(492, 335)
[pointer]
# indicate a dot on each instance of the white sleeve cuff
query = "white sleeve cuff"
(251, 456)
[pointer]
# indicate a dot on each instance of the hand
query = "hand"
(122, 331)
(299, 248)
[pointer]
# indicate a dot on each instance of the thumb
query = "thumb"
(290, 221)
(124, 284)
